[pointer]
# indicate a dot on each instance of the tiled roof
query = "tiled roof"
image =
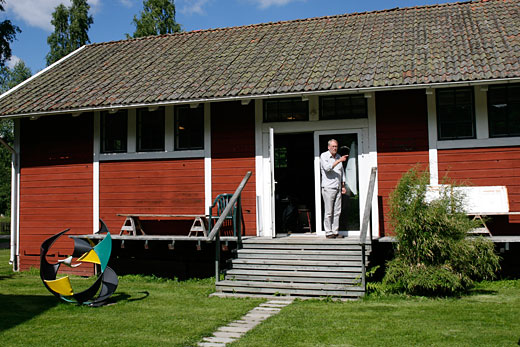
(467, 41)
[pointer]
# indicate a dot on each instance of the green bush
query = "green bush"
(434, 256)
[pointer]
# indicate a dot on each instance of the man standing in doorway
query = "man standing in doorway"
(332, 187)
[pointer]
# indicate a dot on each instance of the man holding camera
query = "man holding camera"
(332, 187)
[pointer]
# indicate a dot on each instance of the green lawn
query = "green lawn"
(150, 311)
(488, 317)
(147, 312)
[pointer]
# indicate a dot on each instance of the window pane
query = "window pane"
(150, 130)
(114, 129)
(189, 127)
(455, 113)
(327, 109)
(504, 110)
(286, 110)
(343, 107)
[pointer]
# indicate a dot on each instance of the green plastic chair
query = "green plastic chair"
(215, 211)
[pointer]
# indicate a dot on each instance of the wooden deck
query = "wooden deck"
(495, 239)
(153, 237)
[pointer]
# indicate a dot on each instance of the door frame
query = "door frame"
(367, 157)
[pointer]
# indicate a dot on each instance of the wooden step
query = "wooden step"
(303, 256)
(304, 274)
(313, 267)
(293, 279)
(289, 288)
(304, 246)
(278, 267)
(299, 262)
(301, 240)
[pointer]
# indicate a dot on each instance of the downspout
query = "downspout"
(13, 260)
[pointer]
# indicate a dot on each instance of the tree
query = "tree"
(71, 25)
(7, 35)
(6, 133)
(9, 78)
(156, 18)
(80, 23)
(434, 256)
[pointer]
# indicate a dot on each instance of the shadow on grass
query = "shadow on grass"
(482, 292)
(120, 297)
(17, 309)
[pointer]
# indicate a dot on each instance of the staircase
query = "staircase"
(295, 267)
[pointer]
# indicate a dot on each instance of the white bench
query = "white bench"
(479, 202)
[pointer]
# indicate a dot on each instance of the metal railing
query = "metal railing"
(365, 224)
(5, 227)
(214, 234)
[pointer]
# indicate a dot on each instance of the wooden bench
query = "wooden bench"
(480, 202)
(132, 224)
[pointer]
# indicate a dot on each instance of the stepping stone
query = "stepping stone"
(218, 339)
(227, 334)
(236, 329)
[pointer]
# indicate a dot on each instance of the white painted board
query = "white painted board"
(485, 200)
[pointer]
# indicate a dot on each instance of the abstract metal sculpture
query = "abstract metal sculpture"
(87, 252)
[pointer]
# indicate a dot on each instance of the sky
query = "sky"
(113, 18)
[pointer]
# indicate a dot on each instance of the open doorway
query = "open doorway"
(348, 144)
(294, 177)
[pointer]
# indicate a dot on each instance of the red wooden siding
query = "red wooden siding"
(402, 141)
(496, 166)
(55, 185)
(173, 186)
(233, 154)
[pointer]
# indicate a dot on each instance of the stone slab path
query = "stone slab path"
(236, 329)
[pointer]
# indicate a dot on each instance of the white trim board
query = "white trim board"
(207, 159)
(95, 174)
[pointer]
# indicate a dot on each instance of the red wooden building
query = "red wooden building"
(163, 124)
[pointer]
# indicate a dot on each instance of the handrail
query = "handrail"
(368, 206)
(365, 224)
(214, 233)
(229, 207)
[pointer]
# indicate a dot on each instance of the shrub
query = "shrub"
(434, 256)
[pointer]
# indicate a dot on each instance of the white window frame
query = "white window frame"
(482, 139)
(169, 141)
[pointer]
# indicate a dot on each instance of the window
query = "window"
(455, 113)
(189, 127)
(504, 110)
(343, 107)
(150, 130)
(286, 110)
(114, 129)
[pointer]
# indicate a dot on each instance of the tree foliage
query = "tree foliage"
(433, 254)
(156, 18)
(71, 25)
(6, 133)
(9, 78)
(8, 33)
